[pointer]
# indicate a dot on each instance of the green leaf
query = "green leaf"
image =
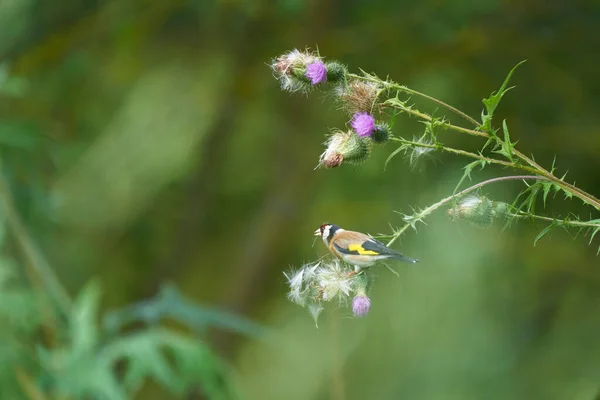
(176, 361)
(544, 232)
(171, 304)
(596, 230)
(394, 154)
(432, 127)
(491, 103)
(87, 367)
(393, 120)
(395, 102)
(507, 146)
(532, 191)
(84, 335)
(547, 187)
(468, 169)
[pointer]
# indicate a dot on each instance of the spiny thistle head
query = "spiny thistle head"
(300, 71)
(361, 303)
(291, 70)
(336, 72)
(344, 147)
(382, 133)
(316, 284)
(478, 210)
(357, 96)
(363, 124)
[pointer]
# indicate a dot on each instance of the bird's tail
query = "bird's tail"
(405, 259)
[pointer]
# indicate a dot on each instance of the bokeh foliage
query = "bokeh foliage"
(146, 141)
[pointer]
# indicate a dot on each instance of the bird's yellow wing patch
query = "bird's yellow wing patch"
(360, 250)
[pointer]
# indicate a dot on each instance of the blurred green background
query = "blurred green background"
(146, 142)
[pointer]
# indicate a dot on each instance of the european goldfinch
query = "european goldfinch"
(356, 248)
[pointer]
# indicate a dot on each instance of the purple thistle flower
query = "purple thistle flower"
(361, 305)
(363, 124)
(316, 72)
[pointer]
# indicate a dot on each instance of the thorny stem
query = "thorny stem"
(395, 86)
(439, 146)
(536, 168)
(582, 224)
(422, 214)
(533, 166)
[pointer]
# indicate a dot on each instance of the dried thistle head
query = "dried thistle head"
(417, 153)
(301, 283)
(334, 281)
(357, 96)
(316, 284)
(344, 147)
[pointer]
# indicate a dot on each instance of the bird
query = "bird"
(356, 248)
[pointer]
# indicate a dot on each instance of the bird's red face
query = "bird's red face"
(322, 228)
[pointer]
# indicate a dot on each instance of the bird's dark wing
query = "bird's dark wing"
(362, 245)
(377, 246)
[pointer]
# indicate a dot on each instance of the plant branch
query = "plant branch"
(401, 88)
(425, 212)
(581, 224)
(452, 150)
(534, 167)
(32, 254)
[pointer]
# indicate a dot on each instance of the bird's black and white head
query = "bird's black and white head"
(327, 231)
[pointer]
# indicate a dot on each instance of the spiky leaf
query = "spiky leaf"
(544, 232)
(467, 171)
(506, 149)
(491, 103)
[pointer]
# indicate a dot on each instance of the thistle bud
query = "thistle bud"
(336, 72)
(361, 304)
(344, 147)
(357, 96)
(382, 133)
(478, 210)
(362, 283)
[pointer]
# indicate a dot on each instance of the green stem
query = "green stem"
(457, 151)
(448, 199)
(401, 88)
(533, 166)
(569, 222)
(32, 254)
(429, 118)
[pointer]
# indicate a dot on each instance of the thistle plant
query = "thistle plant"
(314, 285)
(372, 105)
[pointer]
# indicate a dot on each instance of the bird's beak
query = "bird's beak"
(318, 232)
